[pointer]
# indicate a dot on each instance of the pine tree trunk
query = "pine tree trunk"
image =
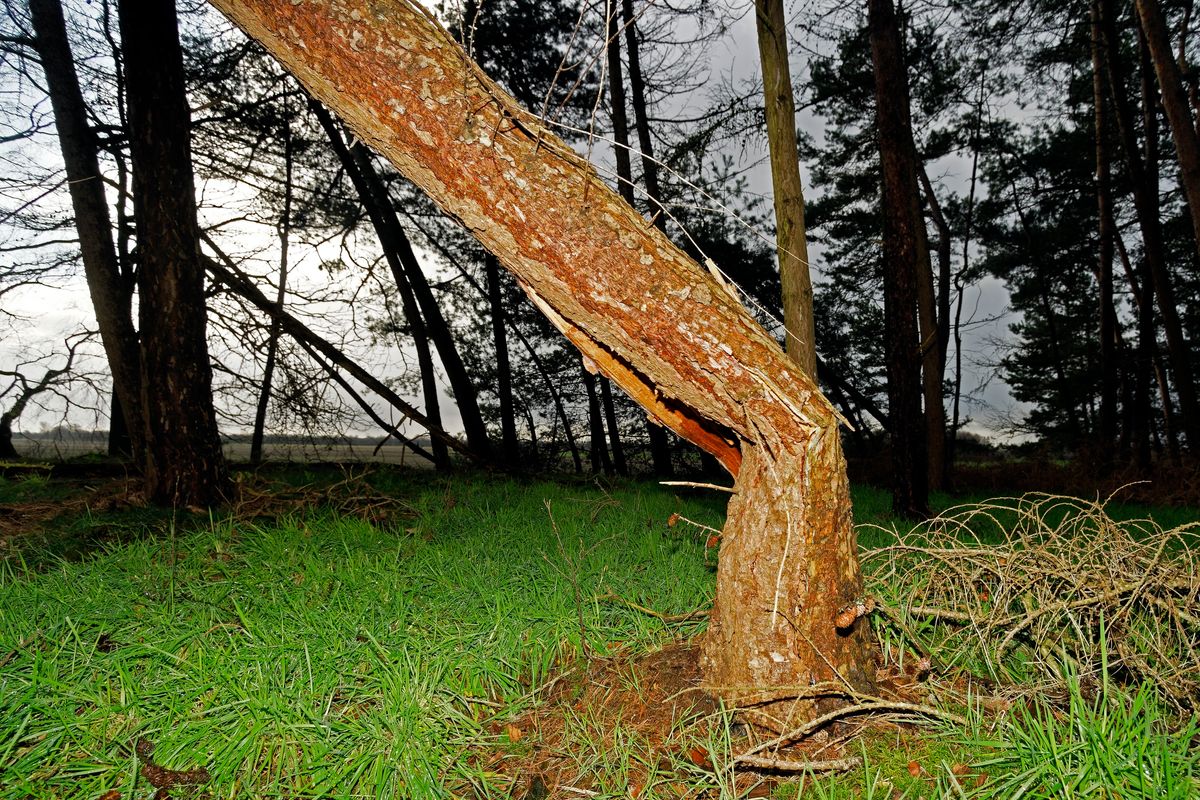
(390, 233)
(1175, 103)
(614, 432)
(1106, 233)
(508, 419)
(903, 245)
(183, 463)
(647, 316)
(284, 230)
(79, 147)
(597, 449)
(933, 309)
(791, 242)
(1146, 204)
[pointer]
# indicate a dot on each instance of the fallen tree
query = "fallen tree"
(641, 312)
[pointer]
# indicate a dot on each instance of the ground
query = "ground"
(383, 632)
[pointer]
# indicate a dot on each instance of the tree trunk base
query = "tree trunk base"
(788, 571)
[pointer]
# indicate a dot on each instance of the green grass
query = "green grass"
(322, 655)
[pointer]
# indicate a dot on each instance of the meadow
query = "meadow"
(387, 633)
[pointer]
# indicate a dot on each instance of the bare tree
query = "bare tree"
(23, 390)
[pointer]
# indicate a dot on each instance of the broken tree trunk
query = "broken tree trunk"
(646, 315)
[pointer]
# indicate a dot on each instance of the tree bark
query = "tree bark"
(791, 243)
(79, 148)
(905, 253)
(183, 460)
(648, 316)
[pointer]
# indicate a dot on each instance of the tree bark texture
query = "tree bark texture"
(791, 243)
(903, 246)
(183, 461)
(645, 314)
(79, 148)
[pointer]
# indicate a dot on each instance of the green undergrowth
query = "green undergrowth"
(339, 651)
(324, 655)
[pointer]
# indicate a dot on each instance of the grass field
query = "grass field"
(393, 634)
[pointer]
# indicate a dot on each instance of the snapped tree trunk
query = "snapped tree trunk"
(791, 243)
(79, 148)
(648, 317)
(183, 461)
(905, 253)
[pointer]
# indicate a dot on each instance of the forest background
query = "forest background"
(1061, 255)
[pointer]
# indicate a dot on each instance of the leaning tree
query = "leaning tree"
(641, 312)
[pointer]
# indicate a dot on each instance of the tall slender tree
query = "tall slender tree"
(284, 231)
(905, 252)
(80, 148)
(790, 235)
(183, 461)
(1146, 204)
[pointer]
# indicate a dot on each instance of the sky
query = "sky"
(46, 314)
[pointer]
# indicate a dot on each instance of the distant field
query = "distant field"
(240, 451)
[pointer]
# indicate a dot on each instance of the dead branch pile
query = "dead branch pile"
(1047, 582)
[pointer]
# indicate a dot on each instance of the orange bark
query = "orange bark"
(645, 314)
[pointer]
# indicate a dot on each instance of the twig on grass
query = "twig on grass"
(792, 765)
(667, 618)
(866, 704)
(716, 487)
